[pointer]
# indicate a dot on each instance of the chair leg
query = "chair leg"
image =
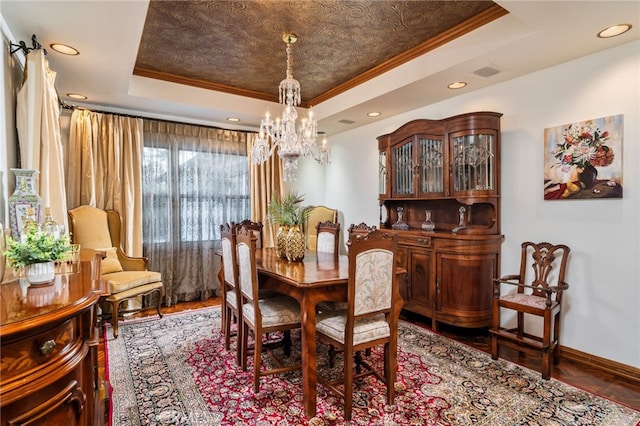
(390, 362)
(348, 383)
(115, 318)
(495, 326)
(239, 340)
(287, 343)
(160, 294)
(556, 339)
(244, 344)
(257, 357)
(227, 327)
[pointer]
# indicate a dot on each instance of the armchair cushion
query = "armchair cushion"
(121, 281)
(111, 263)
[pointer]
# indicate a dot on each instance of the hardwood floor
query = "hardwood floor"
(582, 376)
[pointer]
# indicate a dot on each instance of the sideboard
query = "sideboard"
(49, 360)
(439, 189)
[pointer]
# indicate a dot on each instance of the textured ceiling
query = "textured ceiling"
(236, 46)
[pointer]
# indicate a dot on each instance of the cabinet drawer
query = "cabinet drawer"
(30, 353)
(416, 240)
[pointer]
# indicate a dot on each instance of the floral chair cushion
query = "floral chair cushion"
(374, 280)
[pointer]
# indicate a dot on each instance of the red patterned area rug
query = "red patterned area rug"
(175, 371)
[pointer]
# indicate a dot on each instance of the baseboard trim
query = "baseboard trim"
(629, 373)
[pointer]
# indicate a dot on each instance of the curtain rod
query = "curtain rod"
(22, 46)
(120, 114)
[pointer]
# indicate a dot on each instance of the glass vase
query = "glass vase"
(428, 224)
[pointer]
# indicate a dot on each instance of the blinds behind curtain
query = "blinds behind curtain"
(194, 179)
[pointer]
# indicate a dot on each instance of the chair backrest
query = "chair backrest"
(229, 258)
(255, 227)
(361, 229)
(547, 264)
(89, 227)
(247, 272)
(328, 237)
(372, 278)
(316, 215)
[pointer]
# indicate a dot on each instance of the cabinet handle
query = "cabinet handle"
(47, 347)
(423, 241)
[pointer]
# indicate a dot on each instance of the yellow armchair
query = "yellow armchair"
(125, 277)
(318, 214)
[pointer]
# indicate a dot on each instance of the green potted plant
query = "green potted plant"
(37, 253)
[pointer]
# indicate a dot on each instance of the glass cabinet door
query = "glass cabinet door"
(403, 182)
(432, 166)
(382, 173)
(474, 162)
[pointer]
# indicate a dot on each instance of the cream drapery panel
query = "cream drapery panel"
(105, 169)
(266, 180)
(38, 125)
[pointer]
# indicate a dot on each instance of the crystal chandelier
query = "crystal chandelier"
(292, 140)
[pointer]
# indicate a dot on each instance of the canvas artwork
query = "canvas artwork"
(583, 160)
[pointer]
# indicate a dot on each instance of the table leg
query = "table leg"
(309, 378)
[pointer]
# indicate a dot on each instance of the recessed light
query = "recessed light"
(457, 85)
(76, 96)
(374, 114)
(615, 30)
(65, 49)
(233, 119)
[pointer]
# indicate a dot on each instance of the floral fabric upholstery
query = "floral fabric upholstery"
(245, 273)
(227, 261)
(528, 300)
(374, 279)
(274, 311)
(326, 242)
(333, 324)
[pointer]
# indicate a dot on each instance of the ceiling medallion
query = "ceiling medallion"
(293, 140)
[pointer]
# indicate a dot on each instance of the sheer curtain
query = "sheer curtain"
(194, 179)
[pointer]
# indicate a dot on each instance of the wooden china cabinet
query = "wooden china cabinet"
(49, 360)
(447, 171)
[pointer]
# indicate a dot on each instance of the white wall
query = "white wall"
(602, 306)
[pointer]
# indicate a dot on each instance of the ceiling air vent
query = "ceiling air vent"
(345, 121)
(486, 72)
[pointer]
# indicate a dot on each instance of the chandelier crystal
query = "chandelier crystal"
(292, 140)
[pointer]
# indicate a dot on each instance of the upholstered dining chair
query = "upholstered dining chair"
(328, 237)
(316, 215)
(126, 277)
(537, 295)
(255, 227)
(371, 317)
(261, 316)
(229, 294)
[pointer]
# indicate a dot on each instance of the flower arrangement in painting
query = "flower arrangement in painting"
(584, 145)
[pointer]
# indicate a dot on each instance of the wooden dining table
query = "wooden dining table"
(318, 277)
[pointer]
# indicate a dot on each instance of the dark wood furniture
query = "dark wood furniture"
(315, 279)
(540, 285)
(448, 170)
(328, 237)
(228, 287)
(261, 316)
(255, 227)
(371, 317)
(49, 363)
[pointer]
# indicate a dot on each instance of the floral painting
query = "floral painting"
(584, 159)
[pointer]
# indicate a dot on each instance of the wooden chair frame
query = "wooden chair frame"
(359, 244)
(246, 247)
(333, 229)
(535, 296)
(229, 288)
(129, 263)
